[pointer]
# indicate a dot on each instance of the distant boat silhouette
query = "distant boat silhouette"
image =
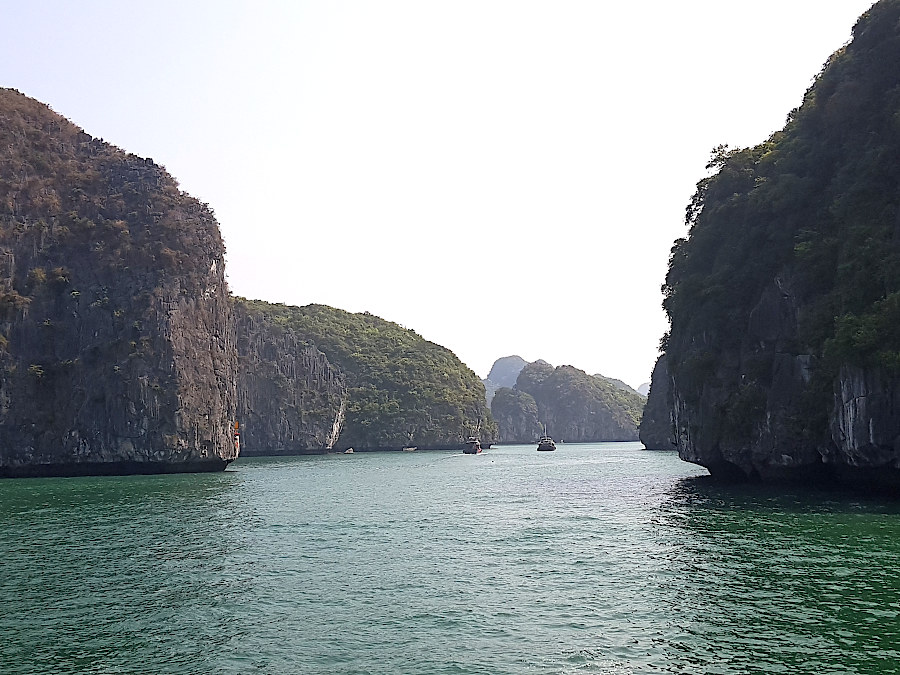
(546, 443)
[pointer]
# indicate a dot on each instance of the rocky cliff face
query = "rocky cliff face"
(756, 411)
(119, 342)
(574, 406)
(396, 389)
(290, 399)
(116, 352)
(865, 427)
(657, 430)
(503, 374)
(785, 364)
(518, 419)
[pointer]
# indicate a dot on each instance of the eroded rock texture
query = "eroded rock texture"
(572, 405)
(657, 428)
(517, 416)
(116, 350)
(291, 400)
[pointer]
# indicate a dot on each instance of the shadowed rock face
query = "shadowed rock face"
(116, 347)
(784, 300)
(656, 430)
(516, 413)
(291, 400)
(865, 427)
(119, 341)
(503, 374)
(745, 418)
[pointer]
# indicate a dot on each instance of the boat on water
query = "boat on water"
(410, 448)
(472, 447)
(546, 444)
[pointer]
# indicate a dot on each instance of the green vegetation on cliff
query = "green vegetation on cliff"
(401, 389)
(817, 203)
(119, 342)
(791, 268)
(290, 398)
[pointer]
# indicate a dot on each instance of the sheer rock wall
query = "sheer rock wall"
(116, 351)
(291, 400)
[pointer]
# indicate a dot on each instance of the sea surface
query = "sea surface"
(596, 558)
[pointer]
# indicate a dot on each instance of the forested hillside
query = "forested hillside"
(400, 389)
(572, 405)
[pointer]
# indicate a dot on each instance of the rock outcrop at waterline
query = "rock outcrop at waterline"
(784, 300)
(657, 430)
(116, 353)
(517, 416)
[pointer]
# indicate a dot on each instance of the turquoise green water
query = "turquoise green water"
(593, 559)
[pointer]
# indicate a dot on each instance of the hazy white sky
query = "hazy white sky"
(503, 176)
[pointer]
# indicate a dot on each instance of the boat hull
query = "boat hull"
(546, 444)
(472, 446)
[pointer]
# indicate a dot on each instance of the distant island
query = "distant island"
(122, 350)
(570, 404)
(783, 359)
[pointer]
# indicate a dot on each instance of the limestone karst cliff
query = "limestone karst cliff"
(506, 369)
(116, 352)
(784, 299)
(121, 350)
(517, 416)
(290, 399)
(382, 385)
(657, 429)
(503, 373)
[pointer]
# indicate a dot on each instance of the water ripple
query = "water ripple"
(594, 559)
